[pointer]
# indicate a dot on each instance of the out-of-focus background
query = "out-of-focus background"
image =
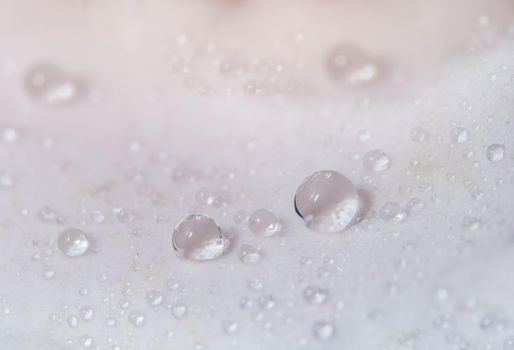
(120, 118)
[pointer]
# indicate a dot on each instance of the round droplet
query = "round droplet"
(48, 83)
(229, 327)
(376, 161)
(327, 201)
(323, 330)
(137, 318)
(392, 212)
(495, 152)
(249, 255)
(73, 242)
(508, 344)
(179, 311)
(315, 295)
(264, 223)
(459, 135)
(154, 298)
(199, 238)
(352, 65)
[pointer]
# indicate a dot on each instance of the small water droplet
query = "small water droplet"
(179, 311)
(6, 180)
(508, 344)
(264, 223)
(48, 83)
(86, 341)
(198, 237)
(229, 327)
(327, 201)
(249, 255)
(73, 242)
(154, 298)
(323, 331)
(315, 295)
(376, 161)
(352, 65)
(459, 135)
(392, 212)
(86, 313)
(495, 152)
(137, 318)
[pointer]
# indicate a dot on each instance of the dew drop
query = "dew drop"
(323, 330)
(352, 65)
(249, 255)
(87, 313)
(48, 83)
(264, 223)
(137, 318)
(392, 212)
(508, 344)
(315, 295)
(73, 242)
(229, 327)
(327, 201)
(179, 311)
(154, 298)
(86, 341)
(198, 237)
(376, 161)
(459, 135)
(495, 152)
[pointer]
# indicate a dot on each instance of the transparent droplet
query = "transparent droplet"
(264, 223)
(86, 341)
(10, 135)
(419, 135)
(376, 161)
(495, 152)
(352, 65)
(249, 255)
(137, 318)
(198, 237)
(229, 327)
(48, 83)
(327, 201)
(179, 311)
(154, 298)
(459, 135)
(392, 212)
(73, 242)
(47, 214)
(508, 344)
(73, 321)
(323, 330)
(6, 180)
(86, 313)
(315, 295)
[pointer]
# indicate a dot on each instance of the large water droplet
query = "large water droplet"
(264, 223)
(48, 83)
(495, 152)
(327, 201)
(376, 161)
(73, 242)
(198, 237)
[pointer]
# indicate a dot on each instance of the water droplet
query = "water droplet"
(315, 295)
(376, 161)
(86, 341)
(47, 214)
(73, 242)
(264, 223)
(86, 313)
(508, 344)
(419, 135)
(6, 180)
(495, 152)
(49, 274)
(249, 255)
(459, 135)
(198, 237)
(392, 212)
(179, 311)
(47, 82)
(323, 330)
(154, 298)
(73, 321)
(10, 135)
(229, 327)
(137, 318)
(327, 201)
(352, 65)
